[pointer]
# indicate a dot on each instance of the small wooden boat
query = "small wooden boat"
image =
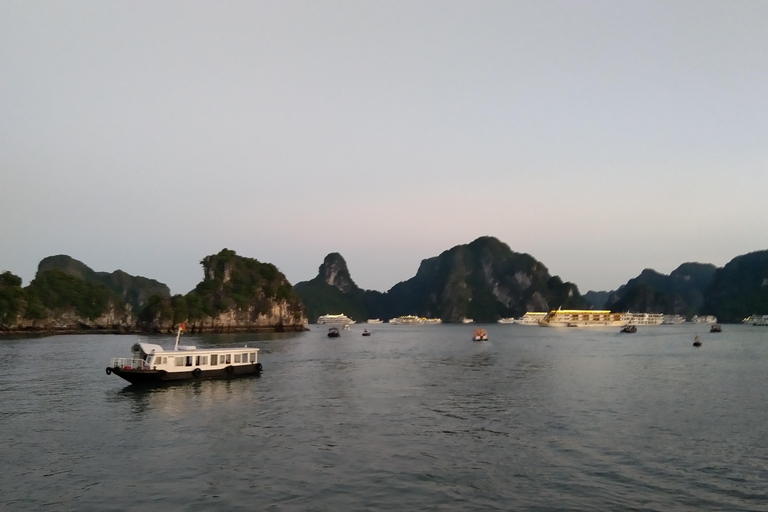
(715, 328)
(366, 332)
(696, 341)
(333, 332)
(629, 329)
(480, 335)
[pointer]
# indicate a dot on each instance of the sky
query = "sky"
(600, 137)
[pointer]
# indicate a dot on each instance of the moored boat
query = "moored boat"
(333, 332)
(506, 320)
(341, 319)
(480, 335)
(629, 329)
(716, 328)
(366, 332)
(152, 364)
(374, 321)
(583, 318)
(531, 318)
(407, 320)
(696, 341)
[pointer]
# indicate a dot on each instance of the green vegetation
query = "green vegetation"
(739, 289)
(680, 293)
(231, 282)
(134, 290)
(12, 301)
(55, 290)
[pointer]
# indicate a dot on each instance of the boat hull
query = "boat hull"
(153, 377)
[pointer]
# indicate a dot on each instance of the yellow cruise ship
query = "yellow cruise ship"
(598, 318)
(583, 318)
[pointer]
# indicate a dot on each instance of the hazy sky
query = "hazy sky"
(601, 137)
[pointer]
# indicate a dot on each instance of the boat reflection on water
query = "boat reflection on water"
(176, 400)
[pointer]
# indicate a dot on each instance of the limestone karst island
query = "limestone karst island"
(484, 280)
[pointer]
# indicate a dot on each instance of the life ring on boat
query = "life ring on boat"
(258, 367)
(230, 369)
(109, 371)
(196, 372)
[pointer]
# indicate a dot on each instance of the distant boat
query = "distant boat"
(506, 320)
(480, 335)
(715, 328)
(374, 321)
(407, 320)
(629, 329)
(335, 319)
(366, 332)
(333, 332)
(696, 341)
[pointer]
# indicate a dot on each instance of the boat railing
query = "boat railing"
(129, 363)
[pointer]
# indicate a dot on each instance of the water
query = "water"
(412, 418)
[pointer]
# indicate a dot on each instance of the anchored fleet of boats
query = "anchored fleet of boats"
(150, 363)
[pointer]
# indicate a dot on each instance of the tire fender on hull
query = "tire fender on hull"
(230, 369)
(196, 372)
(109, 371)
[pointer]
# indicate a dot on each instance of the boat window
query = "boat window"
(204, 360)
(197, 361)
(214, 359)
(245, 358)
(253, 357)
(229, 358)
(237, 358)
(179, 361)
(189, 360)
(149, 359)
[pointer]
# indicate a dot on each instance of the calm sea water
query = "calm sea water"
(412, 418)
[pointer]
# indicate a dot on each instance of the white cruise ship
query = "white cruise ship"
(407, 320)
(340, 319)
(673, 320)
(704, 319)
(644, 318)
(374, 321)
(432, 321)
(531, 318)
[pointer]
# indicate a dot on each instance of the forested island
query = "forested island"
(237, 294)
(484, 280)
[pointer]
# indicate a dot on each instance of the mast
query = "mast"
(178, 334)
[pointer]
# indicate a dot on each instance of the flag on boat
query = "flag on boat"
(182, 326)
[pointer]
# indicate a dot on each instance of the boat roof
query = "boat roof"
(151, 348)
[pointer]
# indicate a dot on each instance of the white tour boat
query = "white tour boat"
(506, 320)
(152, 364)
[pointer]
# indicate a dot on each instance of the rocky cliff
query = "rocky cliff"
(333, 291)
(237, 294)
(484, 280)
(739, 289)
(679, 293)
